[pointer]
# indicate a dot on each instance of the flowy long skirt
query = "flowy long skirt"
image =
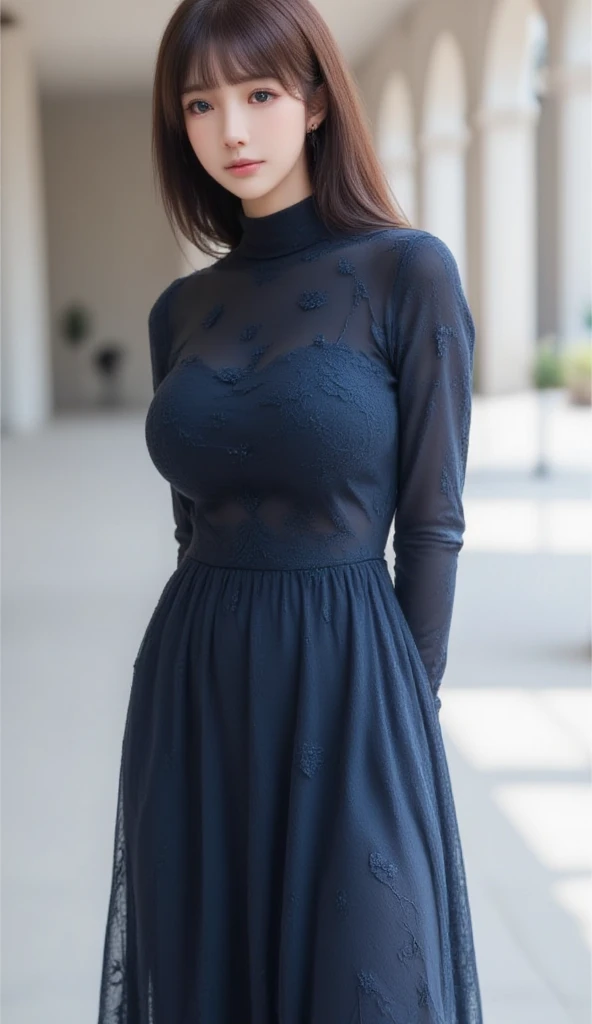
(286, 844)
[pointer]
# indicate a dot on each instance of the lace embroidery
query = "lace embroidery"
(318, 394)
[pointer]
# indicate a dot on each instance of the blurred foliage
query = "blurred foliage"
(106, 357)
(577, 362)
(109, 358)
(570, 366)
(548, 370)
(76, 323)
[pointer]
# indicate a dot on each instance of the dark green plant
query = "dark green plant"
(76, 323)
(548, 369)
(108, 359)
(76, 327)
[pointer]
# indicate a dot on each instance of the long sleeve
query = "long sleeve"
(159, 334)
(433, 346)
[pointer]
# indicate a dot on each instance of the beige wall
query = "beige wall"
(109, 243)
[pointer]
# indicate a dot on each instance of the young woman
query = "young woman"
(287, 849)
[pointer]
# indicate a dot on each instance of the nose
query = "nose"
(235, 132)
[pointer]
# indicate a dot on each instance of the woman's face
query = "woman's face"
(255, 120)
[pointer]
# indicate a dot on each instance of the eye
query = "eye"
(194, 103)
(262, 92)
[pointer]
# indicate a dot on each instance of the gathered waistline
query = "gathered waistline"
(300, 568)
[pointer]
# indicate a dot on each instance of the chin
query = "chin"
(250, 189)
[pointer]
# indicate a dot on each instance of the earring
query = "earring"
(313, 139)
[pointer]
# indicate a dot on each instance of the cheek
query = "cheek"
(198, 140)
(287, 126)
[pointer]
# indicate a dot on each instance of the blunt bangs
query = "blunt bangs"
(220, 50)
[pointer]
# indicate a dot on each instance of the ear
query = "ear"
(318, 106)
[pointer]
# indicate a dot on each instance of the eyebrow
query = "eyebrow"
(200, 87)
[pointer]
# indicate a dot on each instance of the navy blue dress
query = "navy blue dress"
(287, 848)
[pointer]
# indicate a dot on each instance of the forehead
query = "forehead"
(196, 83)
(224, 64)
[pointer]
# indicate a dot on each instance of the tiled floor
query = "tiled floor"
(87, 546)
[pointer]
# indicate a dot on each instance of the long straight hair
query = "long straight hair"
(283, 39)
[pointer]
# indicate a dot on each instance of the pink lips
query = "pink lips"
(244, 168)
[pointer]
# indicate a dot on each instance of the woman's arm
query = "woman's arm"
(433, 343)
(159, 336)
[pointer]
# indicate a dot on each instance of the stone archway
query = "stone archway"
(443, 144)
(396, 148)
(507, 121)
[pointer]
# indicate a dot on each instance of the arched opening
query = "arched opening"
(508, 122)
(396, 146)
(443, 144)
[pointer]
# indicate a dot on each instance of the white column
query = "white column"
(508, 285)
(572, 88)
(395, 143)
(25, 346)
(444, 190)
(399, 164)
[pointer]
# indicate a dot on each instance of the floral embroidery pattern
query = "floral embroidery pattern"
(287, 461)
(312, 300)
(213, 316)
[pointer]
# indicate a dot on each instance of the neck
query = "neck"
(288, 230)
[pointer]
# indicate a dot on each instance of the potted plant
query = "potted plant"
(107, 361)
(548, 377)
(578, 371)
(76, 324)
(107, 358)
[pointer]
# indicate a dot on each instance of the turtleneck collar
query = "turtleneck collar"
(278, 234)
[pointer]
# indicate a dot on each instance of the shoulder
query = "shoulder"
(404, 259)
(161, 322)
(426, 292)
(426, 277)
(416, 255)
(160, 309)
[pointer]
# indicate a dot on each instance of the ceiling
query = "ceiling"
(111, 44)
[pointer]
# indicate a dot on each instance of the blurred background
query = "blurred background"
(481, 112)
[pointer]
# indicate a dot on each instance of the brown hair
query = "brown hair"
(287, 40)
